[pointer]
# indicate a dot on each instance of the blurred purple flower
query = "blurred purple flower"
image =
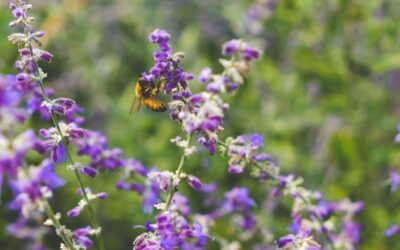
(394, 181)
(392, 230)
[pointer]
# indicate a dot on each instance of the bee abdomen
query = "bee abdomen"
(154, 104)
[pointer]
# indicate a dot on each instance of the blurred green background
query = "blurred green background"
(324, 95)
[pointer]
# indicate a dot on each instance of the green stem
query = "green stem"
(59, 228)
(69, 156)
(178, 172)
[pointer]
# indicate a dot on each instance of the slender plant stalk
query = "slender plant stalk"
(178, 173)
(59, 228)
(54, 118)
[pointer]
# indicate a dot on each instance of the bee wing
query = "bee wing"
(136, 102)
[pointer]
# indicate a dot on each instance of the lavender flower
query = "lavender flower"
(171, 231)
(21, 229)
(199, 115)
(54, 141)
(83, 202)
(392, 230)
(397, 138)
(32, 186)
(310, 212)
(394, 181)
(95, 145)
(81, 237)
(302, 240)
(166, 67)
(244, 149)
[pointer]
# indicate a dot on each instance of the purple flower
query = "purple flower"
(244, 148)
(230, 48)
(95, 145)
(48, 177)
(394, 181)
(250, 53)
(301, 240)
(194, 182)
(81, 237)
(45, 56)
(165, 179)
(205, 75)
(83, 203)
(159, 36)
(397, 138)
(58, 153)
(256, 140)
(89, 171)
(235, 169)
(147, 241)
(17, 12)
(54, 141)
(180, 204)
(352, 231)
(237, 199)
(24, 230)
(392, 230)
(171, 231)
(31, 185)
(150, 196)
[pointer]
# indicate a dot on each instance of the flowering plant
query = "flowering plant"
(44, 140)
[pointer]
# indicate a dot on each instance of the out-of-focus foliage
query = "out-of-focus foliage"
(324, 94)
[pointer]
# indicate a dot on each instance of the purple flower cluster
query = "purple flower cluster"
(22, 229)
(235, 69)
(203, 113)
(102, 157)
(83, 203)
(21, 97)
(54, 141)
(237, 201)
(200, 115)
(31, 185)
(243, 149)
(81, 237)
(302, 240)
(310, 212)
(171, 231)
(167, 69)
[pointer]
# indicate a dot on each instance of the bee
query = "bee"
(146, 92)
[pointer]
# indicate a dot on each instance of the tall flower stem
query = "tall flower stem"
(60, 229)
(178, 173)
(54, 118)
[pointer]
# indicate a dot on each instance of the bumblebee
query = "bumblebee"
(146, 93)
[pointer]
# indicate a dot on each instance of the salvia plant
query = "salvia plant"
(316, 222)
